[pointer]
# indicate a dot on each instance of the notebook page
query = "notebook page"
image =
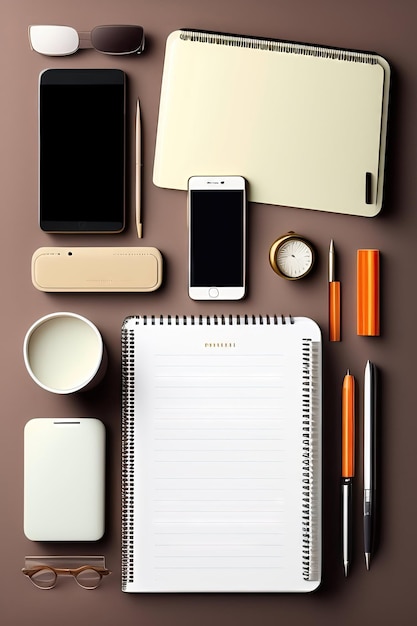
(218, 471)
(291, 113)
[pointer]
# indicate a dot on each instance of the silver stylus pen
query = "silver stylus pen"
(369, 454)
(138, 170)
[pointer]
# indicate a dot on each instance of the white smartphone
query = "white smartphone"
(217, 237)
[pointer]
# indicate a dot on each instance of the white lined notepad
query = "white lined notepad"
(221, 454)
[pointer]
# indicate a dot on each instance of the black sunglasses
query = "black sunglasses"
(64, 40)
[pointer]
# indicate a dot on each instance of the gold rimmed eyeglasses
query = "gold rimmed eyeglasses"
(45, 576)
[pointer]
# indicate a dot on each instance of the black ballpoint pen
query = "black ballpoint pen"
(369, 453)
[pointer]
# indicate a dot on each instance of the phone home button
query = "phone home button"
(213, 292)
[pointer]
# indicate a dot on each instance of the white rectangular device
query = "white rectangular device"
(217, 237)
(64, 479)
(97, 269)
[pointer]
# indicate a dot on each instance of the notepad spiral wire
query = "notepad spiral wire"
(128, 457)
(276, 45)
(213, 319)
(310, 478)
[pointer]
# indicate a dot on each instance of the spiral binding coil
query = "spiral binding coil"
(214, 320)
(309, 479)
(275, 45)
(128, 456)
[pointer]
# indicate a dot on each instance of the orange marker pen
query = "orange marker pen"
(368, 293)
(348, 463)
(334, 298)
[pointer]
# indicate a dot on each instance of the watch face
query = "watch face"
(294, 258)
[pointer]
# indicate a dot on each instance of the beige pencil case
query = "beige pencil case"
(86, 269)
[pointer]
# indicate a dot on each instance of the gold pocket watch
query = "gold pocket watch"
(292, 256)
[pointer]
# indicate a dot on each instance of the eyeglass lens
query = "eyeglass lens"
(117, 39)
(54, 40)
(88, 578)
(44, 579)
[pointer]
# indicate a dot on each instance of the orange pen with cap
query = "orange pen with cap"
(348, 426)
(348, 463)
(334, 298)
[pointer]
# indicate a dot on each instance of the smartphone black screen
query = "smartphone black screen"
(217, 238)
(82, 150)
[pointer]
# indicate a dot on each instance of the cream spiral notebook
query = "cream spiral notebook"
(221, 454)
(306, 125)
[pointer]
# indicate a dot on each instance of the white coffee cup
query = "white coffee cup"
(64, 353)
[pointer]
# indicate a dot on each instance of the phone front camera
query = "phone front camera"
(69, 253)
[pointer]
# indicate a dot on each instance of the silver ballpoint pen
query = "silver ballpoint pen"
(369, 453)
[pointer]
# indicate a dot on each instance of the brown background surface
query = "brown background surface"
(386, 594)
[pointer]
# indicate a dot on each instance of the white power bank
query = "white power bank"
(64, 476)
